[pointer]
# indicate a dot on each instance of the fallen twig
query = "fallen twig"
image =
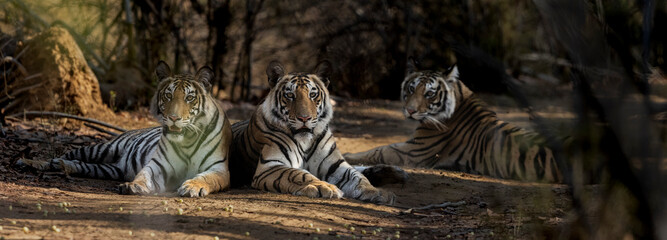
(65, 115)
(99, 129)
(441, 205)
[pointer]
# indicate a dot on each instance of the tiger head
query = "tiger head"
(429, 96)
(299, 101)
(179, 100)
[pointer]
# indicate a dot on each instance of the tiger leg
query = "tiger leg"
(74, 161)
(369, 157)
(214, 178)
(283, 179)
(84, 169)
(353, 183)
(409, 154)
(274, 173)
(151, 179)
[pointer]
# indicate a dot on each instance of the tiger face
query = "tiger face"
(429, 96)
(179, 101)
(300, 99)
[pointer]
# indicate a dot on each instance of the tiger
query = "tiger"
(458, 132)
(187, 153)
(287, 145)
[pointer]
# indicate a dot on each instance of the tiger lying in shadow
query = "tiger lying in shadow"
(457, 132)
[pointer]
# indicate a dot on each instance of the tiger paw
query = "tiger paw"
(194, 188)
(377, 195)
(129, 188)
(66, 166)
(320, 189)
(36, 164)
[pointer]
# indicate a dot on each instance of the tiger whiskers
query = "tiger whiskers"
(435, 123)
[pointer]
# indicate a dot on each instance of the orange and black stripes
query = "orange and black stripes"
(474, 141)
(287, 146)
(189, 151)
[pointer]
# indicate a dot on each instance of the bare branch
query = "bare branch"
(65, 115)
(99, 129)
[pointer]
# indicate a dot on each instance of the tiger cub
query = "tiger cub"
(187, 153)
(457, 132)
(287, 146)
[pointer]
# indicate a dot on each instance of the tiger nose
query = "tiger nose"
(410, 110)
(304, 118)
(174, 118)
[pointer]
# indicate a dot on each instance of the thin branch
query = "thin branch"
(25, 49)
(441, 205)
(21, 68)
(99, 129)
(65, 115)
(20, 90)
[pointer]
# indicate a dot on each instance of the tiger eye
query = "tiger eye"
(190, 98)
(168, 95)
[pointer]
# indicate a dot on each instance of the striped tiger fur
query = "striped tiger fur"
(457, 132)
(187, 153)
(287, 146)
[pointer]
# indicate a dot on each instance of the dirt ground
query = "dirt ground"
(36, 205)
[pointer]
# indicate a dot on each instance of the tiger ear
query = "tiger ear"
(205, 76)
(162, 70)
(274, 72)
(324, 71)
(410, 66)
(452, 73)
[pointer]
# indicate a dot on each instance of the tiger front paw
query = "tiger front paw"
(320, 189)
(194, 188)
(130, 188)
(377, 196)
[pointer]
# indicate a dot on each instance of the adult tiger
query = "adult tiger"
(287, 146)
(457, 132)
(189, 151)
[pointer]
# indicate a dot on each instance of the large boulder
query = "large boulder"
(66, 83)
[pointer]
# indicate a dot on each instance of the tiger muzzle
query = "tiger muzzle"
(171, 124)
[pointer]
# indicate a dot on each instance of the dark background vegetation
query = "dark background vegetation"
(368, 41)
(608, 52)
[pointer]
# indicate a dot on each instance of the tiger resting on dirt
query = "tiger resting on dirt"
(287, 146)
(457, 132)
(189, 152)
